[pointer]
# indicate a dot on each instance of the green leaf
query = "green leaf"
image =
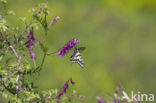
(3, 25)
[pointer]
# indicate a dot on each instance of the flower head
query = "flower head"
(100, 100)
(31, 39)
(55, 20)
(30, 43)
(67, 47)
(32, 55)
(63, 91)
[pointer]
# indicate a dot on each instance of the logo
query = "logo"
(135, 97)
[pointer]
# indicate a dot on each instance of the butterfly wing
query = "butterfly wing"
(77, 58)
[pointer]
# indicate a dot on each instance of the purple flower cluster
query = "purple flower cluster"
(100, 100)
(63, 91)
(55, 20)
(67, 47)
(30, 43)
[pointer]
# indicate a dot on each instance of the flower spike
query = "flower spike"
(30, 43)
(67, 47)
(63, 91)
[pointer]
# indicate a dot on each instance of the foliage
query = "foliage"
(16, 68)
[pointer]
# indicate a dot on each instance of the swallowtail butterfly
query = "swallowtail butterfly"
(76, 57)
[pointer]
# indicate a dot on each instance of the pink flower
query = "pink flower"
(55, 20)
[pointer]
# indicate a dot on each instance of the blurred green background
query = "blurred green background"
(120, 36)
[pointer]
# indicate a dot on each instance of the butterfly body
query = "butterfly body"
(77, 57)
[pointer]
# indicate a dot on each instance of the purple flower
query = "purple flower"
(31, 39)
(63, 91)
(30, 43)
(32, 55)
(116, 101)
(55, 20)
(100, 100)
(67, 47)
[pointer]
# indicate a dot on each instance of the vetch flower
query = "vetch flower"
(32, 55)
(63, 91)
(30, 43)
(116, 101)
(68, 46)
(31, 39)
(55, 20)
(100, 100)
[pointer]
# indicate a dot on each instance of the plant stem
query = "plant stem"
(34, 63)
(44, 56)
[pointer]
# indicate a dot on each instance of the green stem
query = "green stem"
(45, 26)
(34, 63)
(44, 56)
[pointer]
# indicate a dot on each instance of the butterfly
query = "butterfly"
(76, 57)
